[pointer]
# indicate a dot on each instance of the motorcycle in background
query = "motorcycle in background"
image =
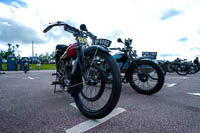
(25, 67)
(80, 72)
(25, 64)
(144, 75)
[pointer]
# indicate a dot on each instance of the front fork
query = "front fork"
(80, 64)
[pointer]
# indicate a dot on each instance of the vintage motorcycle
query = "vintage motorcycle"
(80, 72)
(184, 67)
(143, 74)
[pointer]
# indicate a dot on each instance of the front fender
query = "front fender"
(151, 58)
(95, 47)
(130, 68)
(133, 65)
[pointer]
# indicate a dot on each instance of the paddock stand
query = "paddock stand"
(55, 83)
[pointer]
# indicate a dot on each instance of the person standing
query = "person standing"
(25, 64)
(196, 61)
(38, 65)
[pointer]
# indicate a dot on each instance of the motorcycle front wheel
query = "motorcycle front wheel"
(146, 77)
(96, 98)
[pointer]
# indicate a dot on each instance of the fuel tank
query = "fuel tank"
(71, 51)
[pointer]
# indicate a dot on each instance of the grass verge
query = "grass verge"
(33, 67)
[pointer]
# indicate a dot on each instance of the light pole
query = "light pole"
(9, 46)
(17, 45)
(32, 52)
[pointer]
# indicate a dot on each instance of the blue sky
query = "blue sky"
(170, 13)
(169, 27)
(14, 2)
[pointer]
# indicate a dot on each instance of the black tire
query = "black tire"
(169, 68)
(192, 69)
(164, 70)
(162, 66)
(142, 75)
(25, 69)
(114, 88)
(181, 71)
(198, 68)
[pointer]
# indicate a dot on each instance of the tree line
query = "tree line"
(11, 51)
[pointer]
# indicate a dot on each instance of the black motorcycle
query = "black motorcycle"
(143, 74)
(80, 72)
(184, 68)
(25, 64)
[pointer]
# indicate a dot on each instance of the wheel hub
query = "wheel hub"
(143, 77)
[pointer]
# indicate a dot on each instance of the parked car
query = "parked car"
(35, 60)
(52, 62)
(45, 61)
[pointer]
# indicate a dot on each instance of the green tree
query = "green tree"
(47, 56)
(10, 51)
(52, 55)
(41, 57)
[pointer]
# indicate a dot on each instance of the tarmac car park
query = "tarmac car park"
(28, 104)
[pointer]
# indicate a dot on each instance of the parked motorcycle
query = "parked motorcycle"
(185, 68)
(25, 67)
(181, 67)
(80, 72)
(25, 64)
(143, 74)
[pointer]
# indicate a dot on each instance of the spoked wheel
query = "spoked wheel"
(96, 97)
(164, 70)
(95, 85)
(181, 70)
(146, 77)
(192, 69)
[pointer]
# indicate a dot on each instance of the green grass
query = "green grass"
(43, 66)
(34, 67)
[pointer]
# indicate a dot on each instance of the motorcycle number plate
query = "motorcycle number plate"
(104, 42)
(82, 40)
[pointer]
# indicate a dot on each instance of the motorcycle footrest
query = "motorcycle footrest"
(55, 83)
(54, 74)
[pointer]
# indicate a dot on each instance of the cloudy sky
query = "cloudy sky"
(169, 27)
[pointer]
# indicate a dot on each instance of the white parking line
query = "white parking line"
(30, 78)
(184, 77)
(170, 85)
(74, 105)
(89, 124)
(196, 94)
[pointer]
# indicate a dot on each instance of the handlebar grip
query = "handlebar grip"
(47, 29)
(70, 29)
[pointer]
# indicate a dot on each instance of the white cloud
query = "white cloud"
(137, 19)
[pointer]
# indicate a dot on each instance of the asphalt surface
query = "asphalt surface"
(28, 105)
